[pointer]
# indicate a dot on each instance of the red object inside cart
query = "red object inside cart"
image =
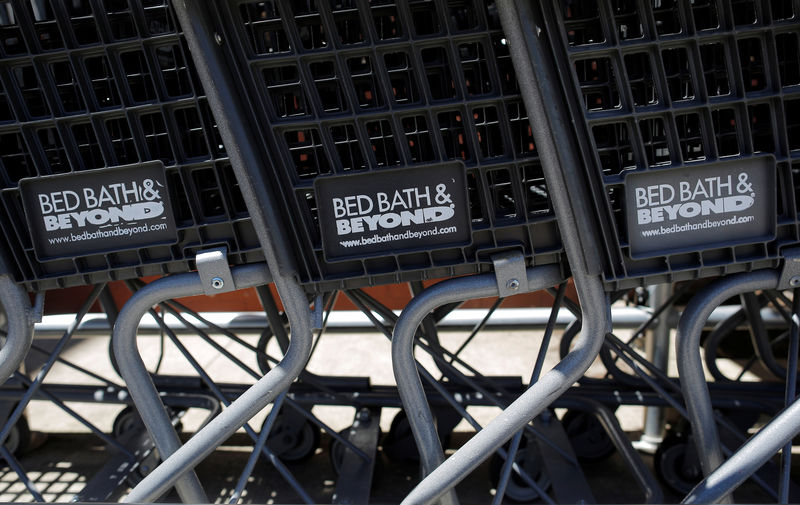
(395, 296)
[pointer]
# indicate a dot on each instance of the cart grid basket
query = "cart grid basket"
(391, 97)
(84, 89)
(672, 93)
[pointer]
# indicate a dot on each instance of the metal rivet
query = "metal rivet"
(794, 281)
(512, 284)
(218, 39)
(217, 283)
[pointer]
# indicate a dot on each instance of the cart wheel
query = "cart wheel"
(589, 440)
(676, 464)
(517, 490)
(293, 441)
(19, 437)
(399, 444)
(128, 419)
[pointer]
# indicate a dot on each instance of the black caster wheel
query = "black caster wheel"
(19, 438)
(399, 444)
(129, 419)
(125, 422)
(125, 428)
(589, 440)
(293, 438)
(517, 489)
(676, 463)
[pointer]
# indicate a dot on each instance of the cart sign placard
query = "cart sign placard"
(700, 207)
(98, 211)
(392, 211)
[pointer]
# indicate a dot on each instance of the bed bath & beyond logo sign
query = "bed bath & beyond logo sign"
(391, 211)
(713, 195)
(98, 210)
(112, 203)
(700, 207)
(402, 208)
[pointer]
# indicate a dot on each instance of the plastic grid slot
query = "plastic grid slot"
(83, 88)
(668, 84)
(341, 86)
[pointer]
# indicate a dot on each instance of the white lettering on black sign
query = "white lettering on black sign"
(701, 206)
(98, 210)
(402, 208)
(111, 203)
(376, 212)
(657, 203)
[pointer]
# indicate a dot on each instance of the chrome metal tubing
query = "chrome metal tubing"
(690, 366)
(181, 459)
(409, 384)
(749, 458)
(553, 133)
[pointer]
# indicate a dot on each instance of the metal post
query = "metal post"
(657, 347)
